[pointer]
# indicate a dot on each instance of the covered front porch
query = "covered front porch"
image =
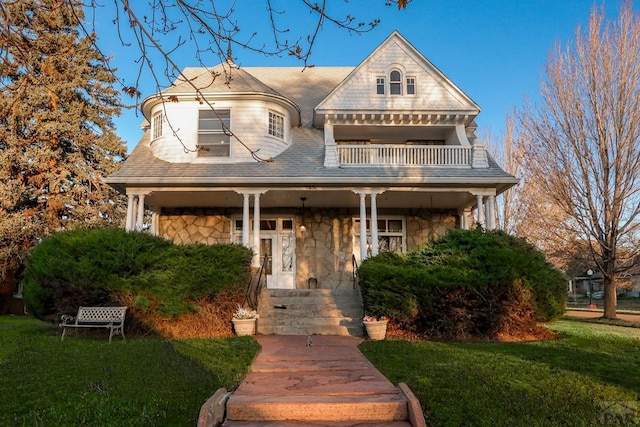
(310, 234)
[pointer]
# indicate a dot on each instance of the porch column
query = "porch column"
(463, 219)
(363, 227)
(479, 210)
(256, 230)
(374, 224)
(245, 220)
(491, 212)
(129, 220)
(154, 223)
(140, 218)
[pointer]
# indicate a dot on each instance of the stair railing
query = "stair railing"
(256, 283)
(354, 267)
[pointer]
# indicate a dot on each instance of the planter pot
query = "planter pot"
(376, 330)
(244, 326)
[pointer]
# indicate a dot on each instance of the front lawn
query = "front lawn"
(85, 381)
(590, 376)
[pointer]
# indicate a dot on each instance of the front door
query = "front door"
(277, 244)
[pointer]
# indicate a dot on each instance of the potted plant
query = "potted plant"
(376, 326)
(244, 321)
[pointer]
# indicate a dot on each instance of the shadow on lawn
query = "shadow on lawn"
(607, 359)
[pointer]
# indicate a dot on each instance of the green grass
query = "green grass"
(588, 377)
(85, 381)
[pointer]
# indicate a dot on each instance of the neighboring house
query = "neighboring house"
(628, 284)
(585, 284)
(314, 169)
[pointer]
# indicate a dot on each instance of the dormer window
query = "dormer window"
(276, 125)
(380, 85)
(395, 83)
(214, 130)
(157, 125)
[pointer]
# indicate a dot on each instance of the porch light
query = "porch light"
(303, 227)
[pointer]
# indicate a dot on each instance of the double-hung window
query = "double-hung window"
(380, 85)
(395, 83)
(411, 85)
(214, 133)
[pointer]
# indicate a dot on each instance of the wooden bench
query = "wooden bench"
(111, 318)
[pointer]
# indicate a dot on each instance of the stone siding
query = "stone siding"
(427, 226)
(188, 226)
(323, 251)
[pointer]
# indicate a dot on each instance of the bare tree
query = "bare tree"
(508, 149)
(158, 31)
(523, 210)
(585, 140)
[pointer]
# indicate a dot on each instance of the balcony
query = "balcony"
(405, 155)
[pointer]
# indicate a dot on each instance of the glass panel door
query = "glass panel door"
(266, 250)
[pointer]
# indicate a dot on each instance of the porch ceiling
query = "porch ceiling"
(290, 198)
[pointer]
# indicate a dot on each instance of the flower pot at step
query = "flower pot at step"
(244, 326)
(376, 329)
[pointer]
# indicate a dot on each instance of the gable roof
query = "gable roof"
(434, 92)
(306, 88)
(302, 163)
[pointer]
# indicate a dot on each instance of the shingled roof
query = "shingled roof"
(303, 162)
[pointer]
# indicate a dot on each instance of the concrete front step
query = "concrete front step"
(354, 331)
(298, 423)
(311, 292)
(381, 408)
(310, 312)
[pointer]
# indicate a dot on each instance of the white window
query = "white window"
(380, 85)
(276, 125)
(391, 235)
(395, 83)
(214, 133)
(157, 125)
(411, 85)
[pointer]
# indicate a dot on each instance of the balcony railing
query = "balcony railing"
(403, 155)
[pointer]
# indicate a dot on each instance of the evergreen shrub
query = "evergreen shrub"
(96, 267)
(469, 283)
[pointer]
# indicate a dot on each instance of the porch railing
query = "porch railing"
(403, 155)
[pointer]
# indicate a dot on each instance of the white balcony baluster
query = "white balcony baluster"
(402, 155)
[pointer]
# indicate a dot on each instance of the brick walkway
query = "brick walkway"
(329, 383)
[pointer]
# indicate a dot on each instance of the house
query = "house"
(316, 169)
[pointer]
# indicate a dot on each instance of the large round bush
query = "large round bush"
(99, 266)
(469, 283)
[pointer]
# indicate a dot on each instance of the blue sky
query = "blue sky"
(494, 50)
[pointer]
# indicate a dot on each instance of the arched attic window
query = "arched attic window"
(395, 82)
